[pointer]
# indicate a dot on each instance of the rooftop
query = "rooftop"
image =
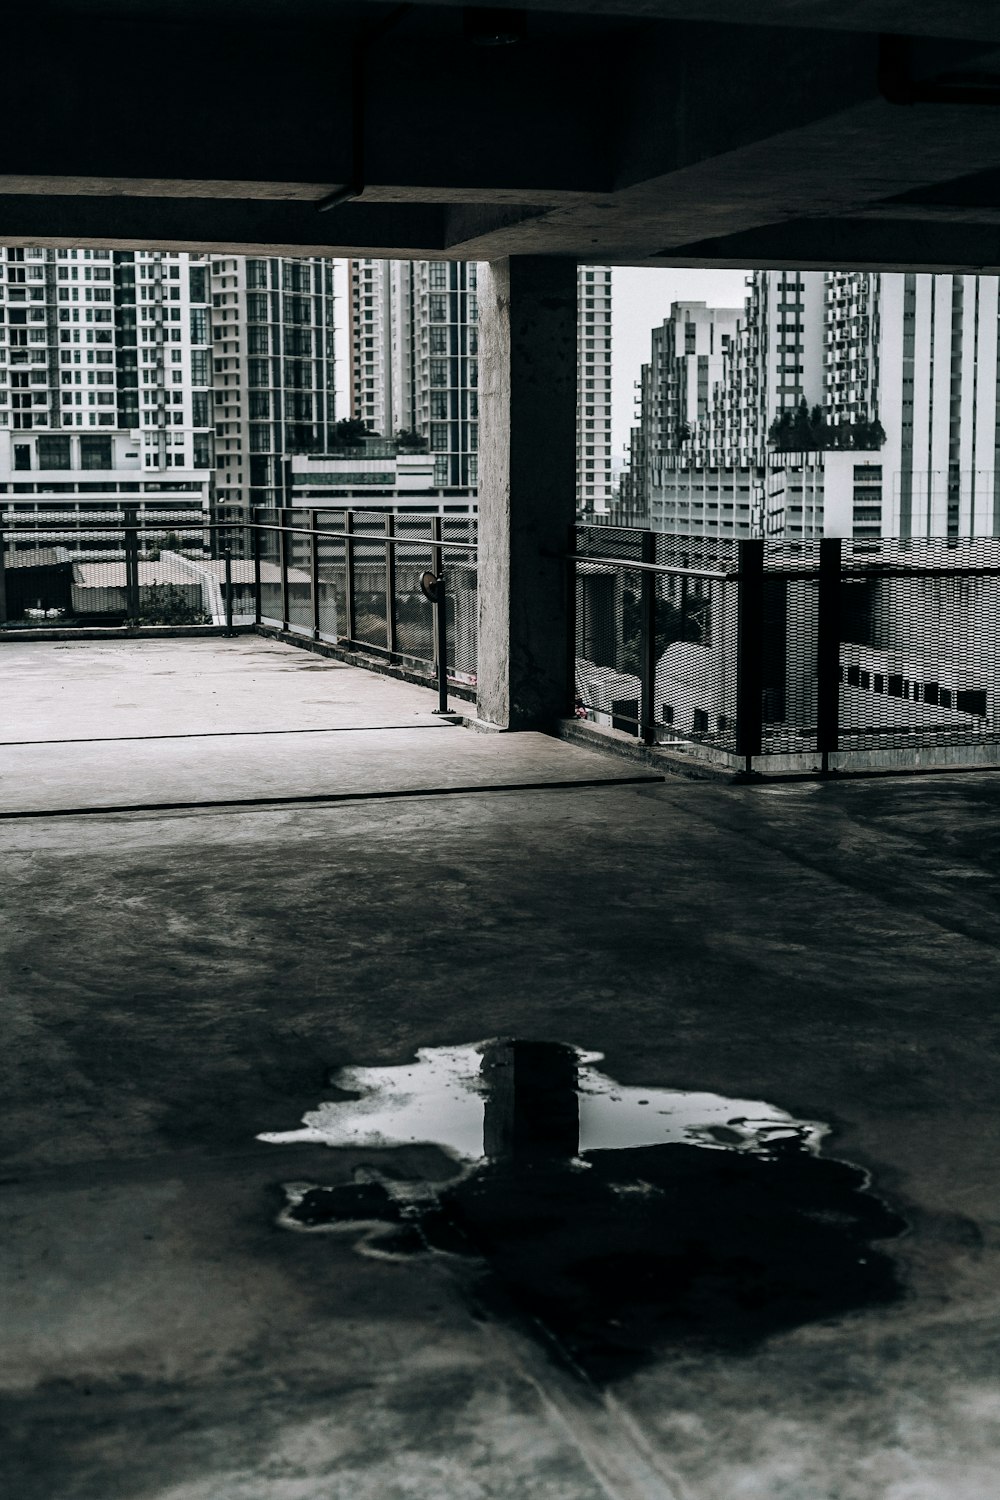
(317, 873)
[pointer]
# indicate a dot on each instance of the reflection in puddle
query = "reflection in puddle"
(620, 1221)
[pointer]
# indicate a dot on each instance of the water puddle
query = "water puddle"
(613, 1222)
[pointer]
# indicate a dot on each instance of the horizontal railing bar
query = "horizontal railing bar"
(31, 523)
(641, 567)
(792, 575)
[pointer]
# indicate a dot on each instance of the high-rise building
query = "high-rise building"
(414, 339)
(918, 353)
(218, 366)
(414, 329)
(105, 391)
(593, 450)
(114, 340)
(888, 385)
(273, 371)
(775, 362)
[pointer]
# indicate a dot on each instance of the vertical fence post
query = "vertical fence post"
(390, 583)
(440, 616)
(228, 556)
(571, 620)
(255, 536)
(314, 570)
(647, 664)
(132, 567)
(828, 650)
(283, 557)
(749, 650)
(349, 572)
(3, 579)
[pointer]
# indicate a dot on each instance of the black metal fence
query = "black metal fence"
(350, 578)
(779, 655)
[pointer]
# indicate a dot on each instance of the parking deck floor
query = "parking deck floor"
(317, 874)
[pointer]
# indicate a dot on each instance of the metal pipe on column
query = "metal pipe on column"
(228, 556)
(131, 520)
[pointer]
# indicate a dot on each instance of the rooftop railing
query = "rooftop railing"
(401, 588)
(772, 655)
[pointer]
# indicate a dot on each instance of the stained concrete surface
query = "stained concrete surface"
(175, 984)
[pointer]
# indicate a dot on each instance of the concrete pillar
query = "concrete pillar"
(527, 487)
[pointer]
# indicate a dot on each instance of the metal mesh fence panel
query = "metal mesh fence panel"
(656, 643)
(269, 545)
(463, 597)
(331, 574)
(414, 613)
(694, 701)
(608, 626)
(369, 575)
(65, 569)
(298, 544)
(789, 641)
(920, 644)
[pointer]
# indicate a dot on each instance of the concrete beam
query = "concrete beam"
(527, 487)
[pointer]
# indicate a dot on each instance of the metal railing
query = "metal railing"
(760, 655)
(402, 588)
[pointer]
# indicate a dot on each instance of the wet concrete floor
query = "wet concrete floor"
(177, 985)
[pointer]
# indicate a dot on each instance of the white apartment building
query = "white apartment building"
(414, 340)
(906, 366)
(776, 360)
(117, 340)
(919, 352)
(273, 371)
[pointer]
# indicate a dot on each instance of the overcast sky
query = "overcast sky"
(640, 300)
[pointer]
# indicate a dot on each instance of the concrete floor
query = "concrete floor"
(177, 982)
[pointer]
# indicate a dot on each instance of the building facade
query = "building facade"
(214, 367)
(273, 371)
(889, 384)
(414, 342)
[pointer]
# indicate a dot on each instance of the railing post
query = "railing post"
(571, 618)
(440, 616)
(255, 535)
(283, 558)
(647, 659)
(228, 556)
(131, 515)
(390, 583)
(349, 572)
(314, 570)
(828, 650)
(3, 578)
(749, 650)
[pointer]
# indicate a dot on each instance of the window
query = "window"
(438, 309)
(95, 453)
(53, 453)
(22, 456)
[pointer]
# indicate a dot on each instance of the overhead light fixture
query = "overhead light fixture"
(487, 27)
